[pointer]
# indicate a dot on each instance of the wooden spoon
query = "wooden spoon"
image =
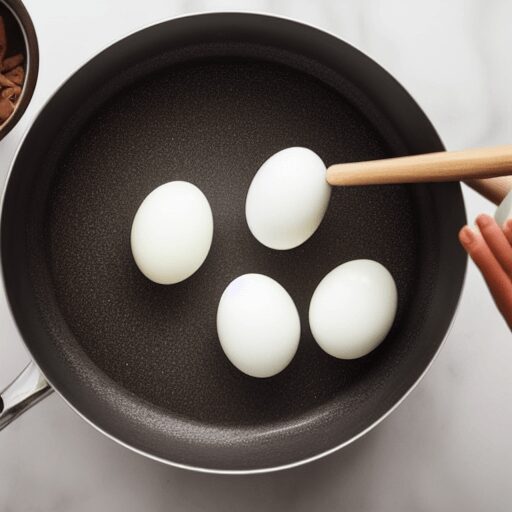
(474, 166)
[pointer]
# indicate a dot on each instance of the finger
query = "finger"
(497, 280)
(507, 230)
(496, 241)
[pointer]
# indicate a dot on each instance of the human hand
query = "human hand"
(491, 250)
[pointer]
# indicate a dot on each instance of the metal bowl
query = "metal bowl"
(21, 38)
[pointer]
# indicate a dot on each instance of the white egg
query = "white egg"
(258, 325)
(287, 198)
(504, 210)
(353, 308)
(172, 232)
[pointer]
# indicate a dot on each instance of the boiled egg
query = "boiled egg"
(504, 210)
(172, 232)
(353, 308)
(287, 198)
(258, 325)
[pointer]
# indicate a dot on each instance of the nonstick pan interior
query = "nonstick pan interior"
(141, 360)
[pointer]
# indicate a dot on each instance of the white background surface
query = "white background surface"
(448, 446)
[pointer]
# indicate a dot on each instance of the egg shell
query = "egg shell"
(504, 210)
(172, 232)
(353, 308)
(258, 325)
(288, 198)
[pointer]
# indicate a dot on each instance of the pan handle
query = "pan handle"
(28, 388)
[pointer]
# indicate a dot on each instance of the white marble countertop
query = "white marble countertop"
(449, 445)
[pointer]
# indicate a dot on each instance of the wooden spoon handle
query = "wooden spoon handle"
(442, 166)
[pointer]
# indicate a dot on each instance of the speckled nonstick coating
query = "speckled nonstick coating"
(207, 99)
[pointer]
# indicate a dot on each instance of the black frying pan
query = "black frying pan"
(207, 99)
